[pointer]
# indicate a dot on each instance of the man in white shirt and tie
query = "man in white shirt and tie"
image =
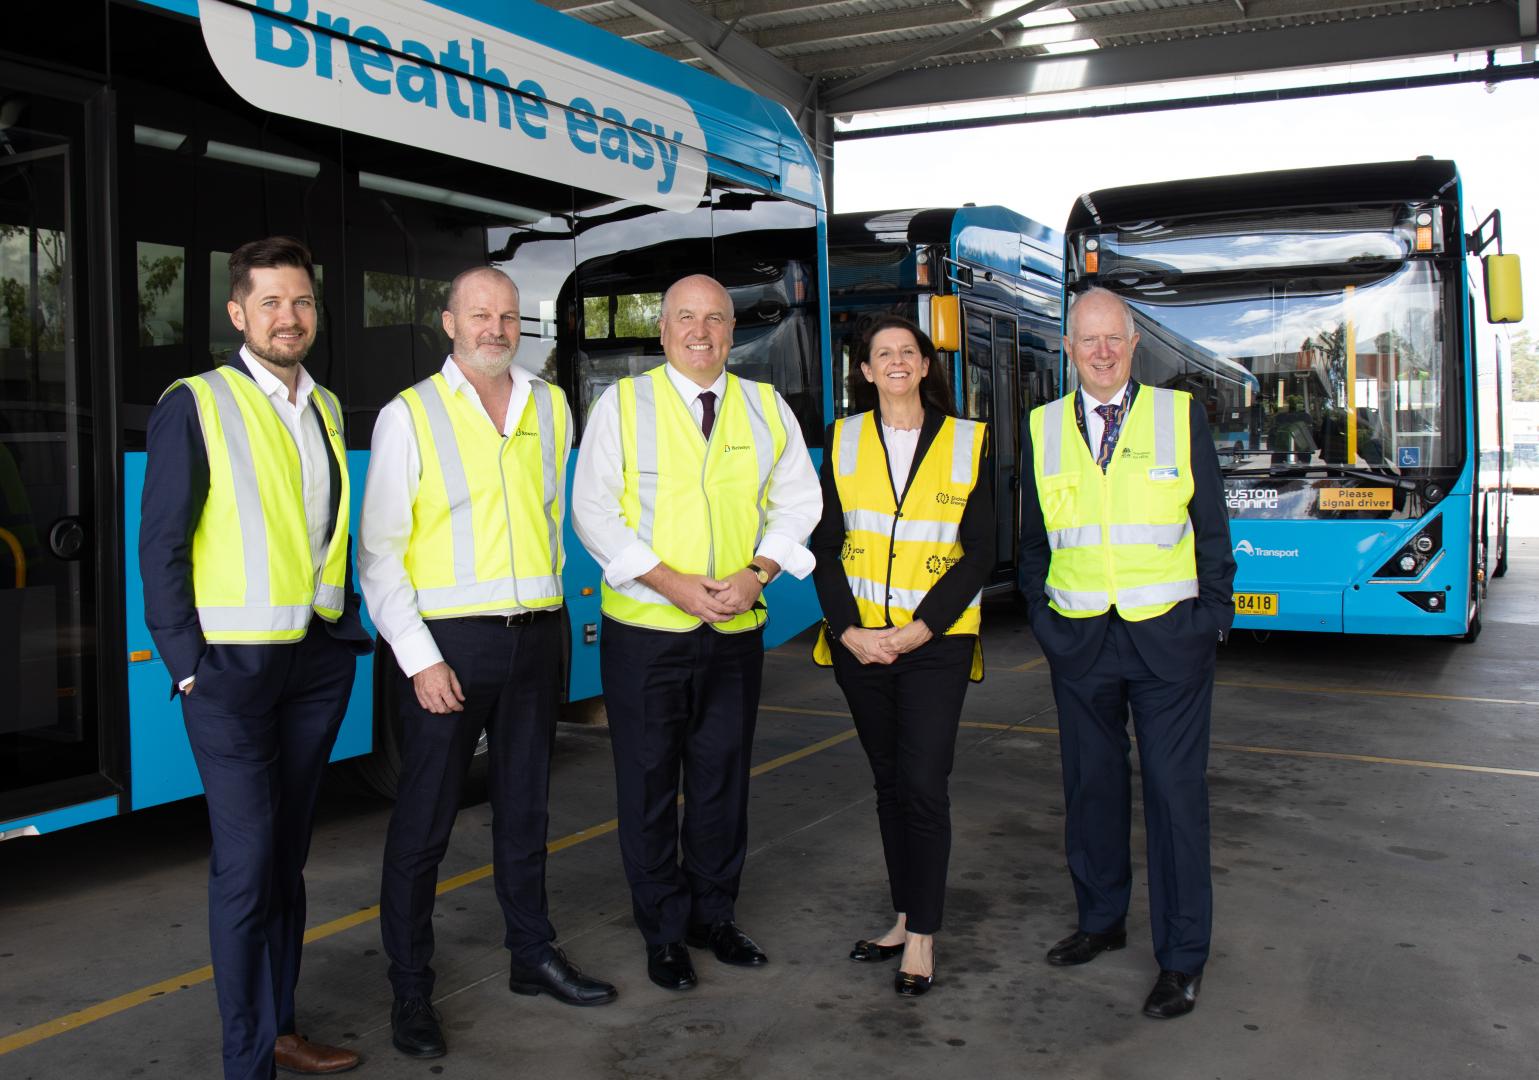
(693, 490)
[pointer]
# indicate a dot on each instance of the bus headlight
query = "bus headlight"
(1408, 564)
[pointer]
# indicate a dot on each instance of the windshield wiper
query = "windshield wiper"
(1303, 468)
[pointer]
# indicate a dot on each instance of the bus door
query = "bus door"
(51, 754)
(990, 374)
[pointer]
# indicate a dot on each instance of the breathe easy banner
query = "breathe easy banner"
(451, 89)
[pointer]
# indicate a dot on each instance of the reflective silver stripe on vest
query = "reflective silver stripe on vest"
(248, 502)
(1165, 536)
(1052, 436)
(498, 590)
(254, 618)
(849, 443)
(1164, 592)
(328, 597)
(962, 451)
(1164, 427)
(917, 530)
(545, 414)
(763, 446)
(875, 592)
(1069, 600)
(1078, 536)
(456, 486)
(646, 456)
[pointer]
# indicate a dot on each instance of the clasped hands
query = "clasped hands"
(885, 645)
(713, 600)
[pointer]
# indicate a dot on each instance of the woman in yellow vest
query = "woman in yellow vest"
(904, 548)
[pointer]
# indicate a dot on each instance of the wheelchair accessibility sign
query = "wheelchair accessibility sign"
(1410, 457)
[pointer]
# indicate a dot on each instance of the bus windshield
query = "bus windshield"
(1310, 367)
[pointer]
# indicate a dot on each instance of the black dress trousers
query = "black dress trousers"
(907, 714)
(681, 703)
(511, 679)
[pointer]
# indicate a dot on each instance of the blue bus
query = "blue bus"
(986, 284)
(141, 142)
(1326, 319)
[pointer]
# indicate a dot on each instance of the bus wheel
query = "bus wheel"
(1474, 625)
(1500, 569)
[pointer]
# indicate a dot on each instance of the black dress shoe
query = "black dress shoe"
(669, 966)
(1174, 994)
(728, 942)
(911, 985)
(414, 1028)
(562, 980)
(869, 952)
(1082, 946)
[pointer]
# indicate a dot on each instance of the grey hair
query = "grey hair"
(1096, 290)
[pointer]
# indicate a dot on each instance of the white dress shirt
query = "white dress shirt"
(795, 499)
(385, 524)
(901, 445)
(314, 468)
(1095, 424)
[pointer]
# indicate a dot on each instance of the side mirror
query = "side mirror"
(946, 322)
(1504, 288)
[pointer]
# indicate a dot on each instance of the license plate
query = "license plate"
(1255, 603)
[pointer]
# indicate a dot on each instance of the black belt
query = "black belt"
(518, 618)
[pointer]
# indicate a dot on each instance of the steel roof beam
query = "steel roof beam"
(1424, 33)
(728, 54)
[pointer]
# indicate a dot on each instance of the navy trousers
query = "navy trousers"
(1173, 721)
(907, 714)
(261, 745)
(681, 704)
(511, 679)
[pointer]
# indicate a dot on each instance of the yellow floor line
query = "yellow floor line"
(1029, 665)
(1297, 688)
(100, 1011)
(1372, 760)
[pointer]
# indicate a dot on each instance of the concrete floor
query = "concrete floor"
(1374, 807)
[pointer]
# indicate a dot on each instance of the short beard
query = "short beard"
(276, 360)
(482, 367)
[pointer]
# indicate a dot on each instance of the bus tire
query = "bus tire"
(1500, 569)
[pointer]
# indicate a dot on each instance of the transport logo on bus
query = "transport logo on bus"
(422, 75)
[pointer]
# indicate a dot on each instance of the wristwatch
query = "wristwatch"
(759, 572)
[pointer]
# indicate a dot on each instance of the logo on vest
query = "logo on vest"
(849, 551)
(947, 499)
(1129, 454)
(939, 564)
(526, 434)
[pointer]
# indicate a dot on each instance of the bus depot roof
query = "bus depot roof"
(844, 56)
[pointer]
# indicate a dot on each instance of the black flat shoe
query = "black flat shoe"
(1082, 946)
(911, 985)
(869, 952)
(1174, 994)
(669, 966)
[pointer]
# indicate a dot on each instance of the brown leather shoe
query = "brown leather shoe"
(296, 1054)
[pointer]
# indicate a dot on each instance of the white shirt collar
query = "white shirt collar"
(1091, 402)
(458, 383)
(689, 390)
(272, 385)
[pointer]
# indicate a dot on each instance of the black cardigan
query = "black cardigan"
(949, 596)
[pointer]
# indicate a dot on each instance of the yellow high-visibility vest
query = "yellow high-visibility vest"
(893, 554)
(1123, 537)
(486, 521)
(252, 577)
(701, 506)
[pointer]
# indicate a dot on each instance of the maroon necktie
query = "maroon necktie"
(708, 411)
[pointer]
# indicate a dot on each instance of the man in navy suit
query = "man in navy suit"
(1126, 569)
(248, 595)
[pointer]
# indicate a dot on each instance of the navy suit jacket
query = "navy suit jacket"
(175, 489)
(1174, 644)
